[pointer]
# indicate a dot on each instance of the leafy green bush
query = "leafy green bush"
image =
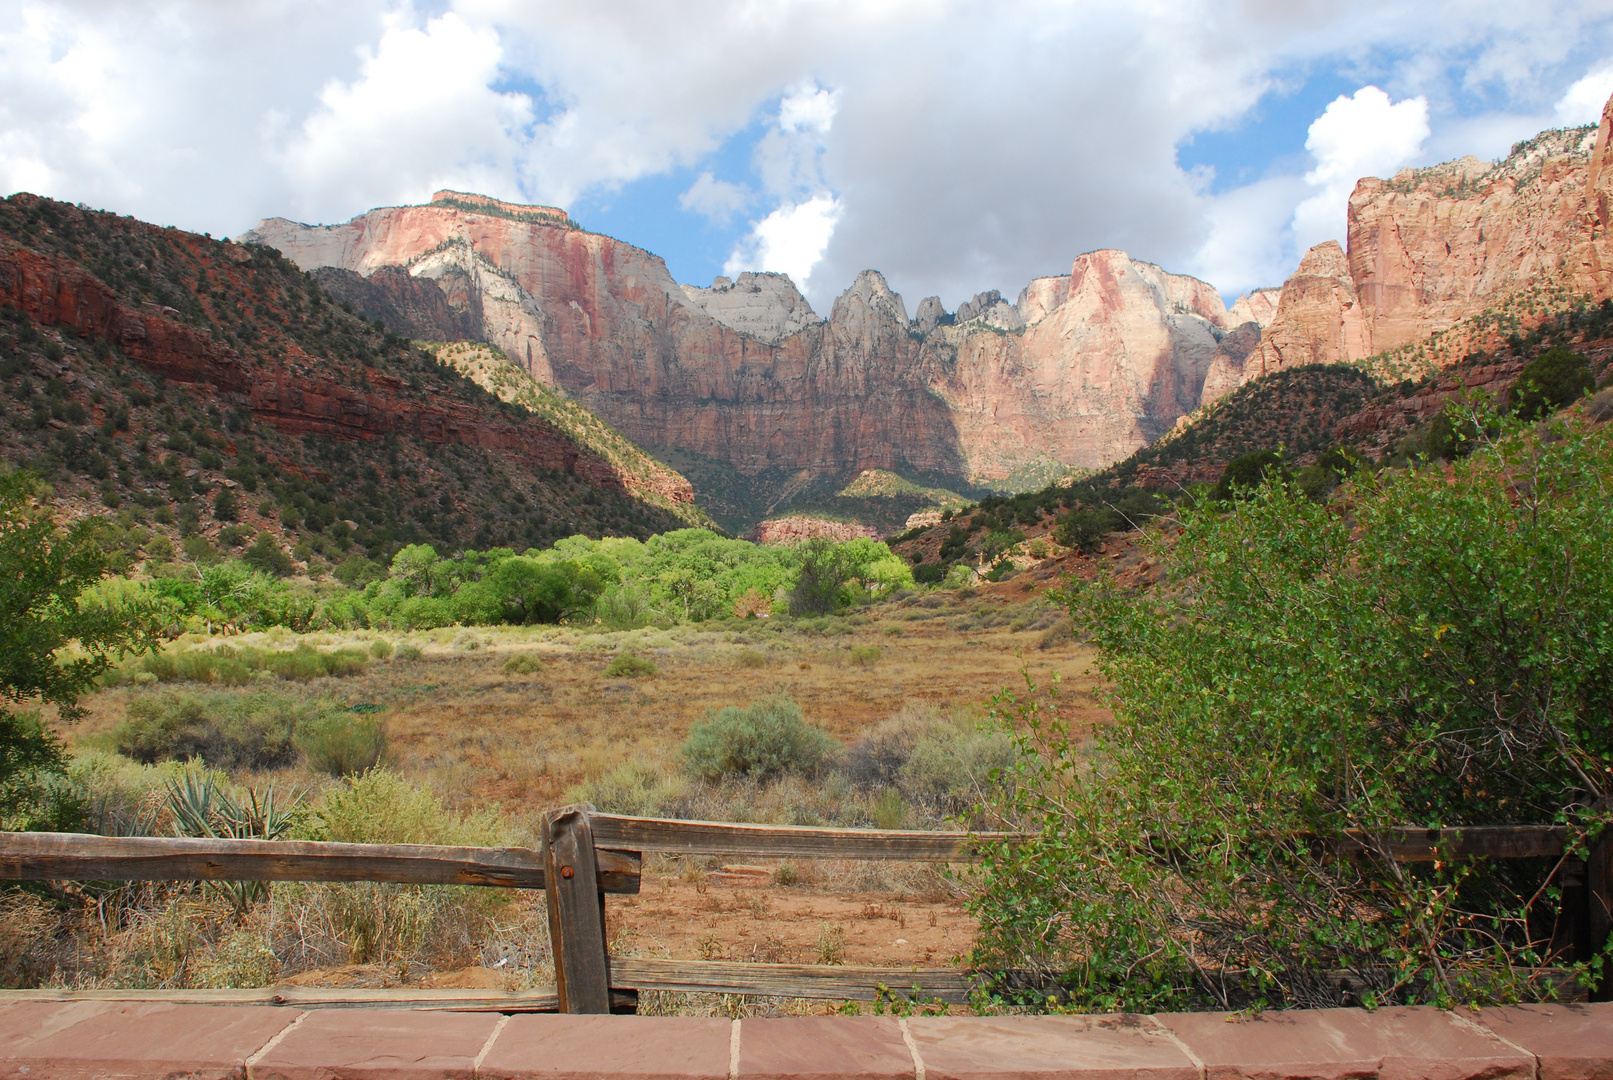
(818, 581)
(1437, 652)
(766, 739)
(380, 648)
(630, 665)
(1557, 377)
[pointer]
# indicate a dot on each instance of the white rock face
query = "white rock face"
(930, 313)
(511, 318)
(765, 306)
(1042, 295)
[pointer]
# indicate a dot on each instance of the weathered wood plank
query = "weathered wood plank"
(790, 980)
(1409, 844)
(784, 841)
(576, 912)
(82, 857)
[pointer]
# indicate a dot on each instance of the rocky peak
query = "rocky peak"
(870, 294)
(993, 310)
(1258, 306)
(931, 313)
(766, 306)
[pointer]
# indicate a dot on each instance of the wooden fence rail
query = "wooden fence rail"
(587, 855)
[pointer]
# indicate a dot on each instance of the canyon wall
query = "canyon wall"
(1085, 368)
(1431, 248)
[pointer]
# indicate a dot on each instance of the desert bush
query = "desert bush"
(636, 788)
(865, 655)
(523, 664)
(765, 739)
(226, 730)
(750, 658)
(630, 665)
(267, 555)
(380, 648)
(388, 923)
(342, 742)
(407, 652)
(1435, 649)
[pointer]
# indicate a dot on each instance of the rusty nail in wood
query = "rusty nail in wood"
(566, 871)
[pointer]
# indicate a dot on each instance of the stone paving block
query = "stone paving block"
(556, 1047)
(1572, 1042)
(823, 1047)
(1115, 1047)
(106, 1040)
(378, 1044)
(1334, 1044)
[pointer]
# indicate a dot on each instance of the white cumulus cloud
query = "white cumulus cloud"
(1362, 135)
(421, 114)
(1583, 102)
(791, 240)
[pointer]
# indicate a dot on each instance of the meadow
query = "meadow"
(477, 730)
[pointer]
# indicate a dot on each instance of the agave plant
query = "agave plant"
(203, 808)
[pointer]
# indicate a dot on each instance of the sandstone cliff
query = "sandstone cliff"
(1458, 251)
(1084, 369)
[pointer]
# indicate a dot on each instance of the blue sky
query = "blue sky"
(955, 145)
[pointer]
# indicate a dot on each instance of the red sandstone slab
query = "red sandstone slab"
(378, 1044)
(1572, 1042)
(105, 1040)
(823, 1048)
(1113, 1047)
(1335, 1044)
(558, 1047)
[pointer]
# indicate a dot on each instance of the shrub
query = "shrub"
(225, 505)
(389, 923)
(750, 658)
(341, 743)
(630, 665)
(227, 730)
(766, 739)
(1247, 472)
(380, 648)
(267, 555)
(234, 535)
(405, 651)
(865, 655)
(634, 788)
(1399, 660)
(929, 573)
(1557, 377)
(523, 664)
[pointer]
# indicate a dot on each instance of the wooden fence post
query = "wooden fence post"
(1599, 902)
(576, 911)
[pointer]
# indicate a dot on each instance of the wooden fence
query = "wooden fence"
(587, 855)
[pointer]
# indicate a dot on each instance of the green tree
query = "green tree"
(1427, 650)
(1248, 471)
(267, 555)
(1557, 377)
(51, 647)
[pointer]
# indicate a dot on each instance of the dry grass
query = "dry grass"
(518, 741)
(509, 719)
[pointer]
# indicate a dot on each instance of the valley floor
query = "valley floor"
(481, 737)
